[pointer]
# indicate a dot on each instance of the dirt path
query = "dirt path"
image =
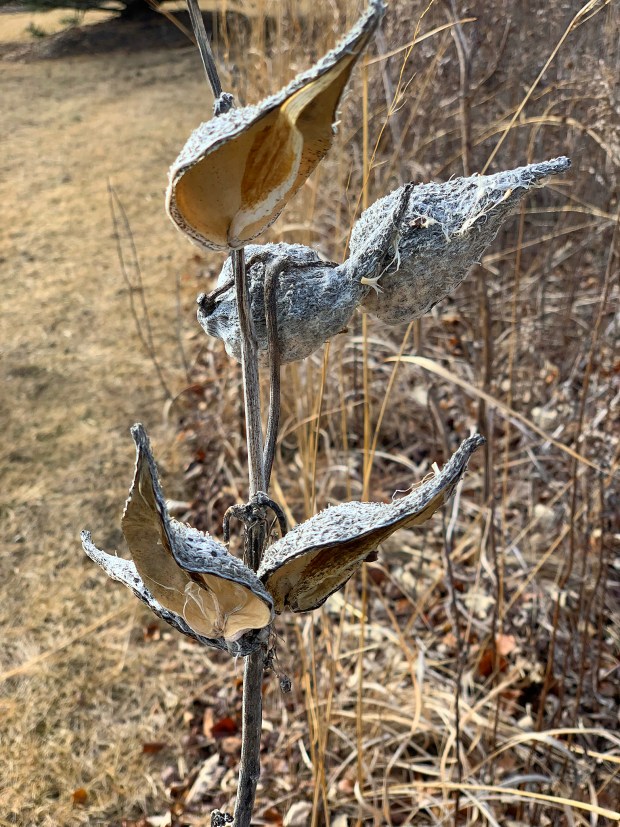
(74, 379)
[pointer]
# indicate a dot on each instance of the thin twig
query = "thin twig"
(207, 301)
(143, 326)
(460, 657)
(272, 271)
(204, 47)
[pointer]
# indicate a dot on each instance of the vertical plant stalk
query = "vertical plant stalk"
(460, 659)
(251, 386)
(204, 47)
(252, 708)
(254, 535)
(254, 543)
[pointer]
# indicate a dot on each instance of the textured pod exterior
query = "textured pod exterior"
(185, 576)
(125, 572)
(416, 245)
(314, 300)
(237, 171)
(318, 556)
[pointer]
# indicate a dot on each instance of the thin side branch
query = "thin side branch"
(251, 385)
(143, 325)
(271, 318)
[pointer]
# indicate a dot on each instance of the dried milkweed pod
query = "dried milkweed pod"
(317, 557)
(416, 245)
(314, 300)
(125, 572)
(193, 579)
(237, 171)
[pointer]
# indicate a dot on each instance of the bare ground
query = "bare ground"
(74, 378)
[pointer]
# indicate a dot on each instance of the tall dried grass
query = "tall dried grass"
(527, 351)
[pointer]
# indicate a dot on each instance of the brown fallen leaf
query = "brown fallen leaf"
(79, 797)
(487, 659)
(273, 816)
(153, 747)
(224, 727)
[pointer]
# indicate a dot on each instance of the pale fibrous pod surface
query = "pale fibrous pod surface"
(237, 171)
(185, 576)
(317, 557)
(314, 300)
(413, 247)
(125, 572)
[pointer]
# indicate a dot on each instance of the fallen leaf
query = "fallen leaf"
(505, 644)
(153, 747)
(487, 660)
(273, 816)
(223, 727)
(79, 797)
(207, 780)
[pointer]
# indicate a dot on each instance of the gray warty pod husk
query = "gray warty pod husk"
(237, 171)
(318, 556)
(186, 577)
(417, 244)
(314, 300)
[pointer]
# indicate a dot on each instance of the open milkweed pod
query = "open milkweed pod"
(236, 172)
(125, 572)
(314, 301)
(416, 245)
(188, 573)
(317, 557)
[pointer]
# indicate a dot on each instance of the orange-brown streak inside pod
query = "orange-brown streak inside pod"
(210, 193)
(269, 163)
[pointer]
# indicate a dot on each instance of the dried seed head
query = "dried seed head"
(237, 171)
(185, 576)
(318, 556)
(314, 300)
(416, 245)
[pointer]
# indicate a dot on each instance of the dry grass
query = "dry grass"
(368, 734)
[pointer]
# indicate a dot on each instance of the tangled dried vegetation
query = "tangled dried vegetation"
(526, 351)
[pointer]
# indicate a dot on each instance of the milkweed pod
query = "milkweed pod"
(317, 557)
(416, 245)
(125, 572)
(237, 171)
(192, 577)
(314, 300)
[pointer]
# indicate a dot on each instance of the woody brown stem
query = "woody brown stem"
(249, 770)
(252, 711)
